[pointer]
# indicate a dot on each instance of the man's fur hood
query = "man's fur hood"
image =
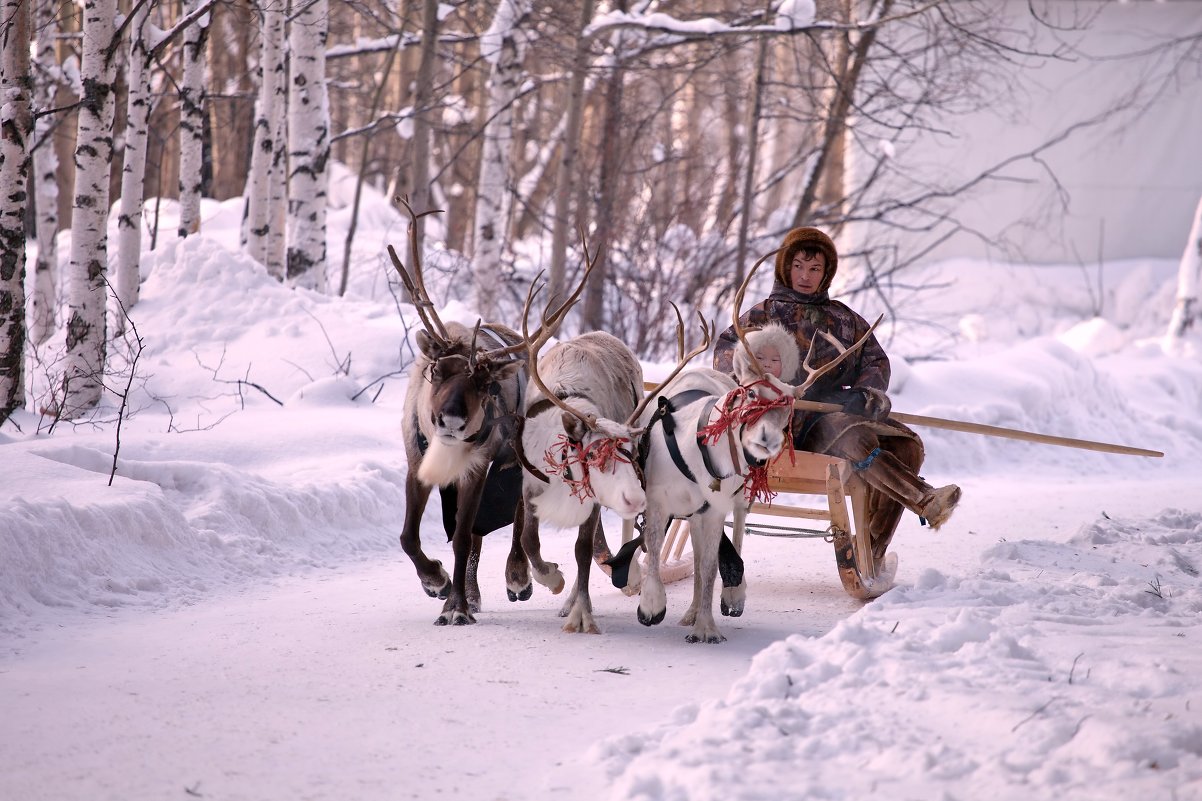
(794, 241)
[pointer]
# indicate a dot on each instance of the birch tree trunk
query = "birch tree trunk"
(133, 170)
(423, 100)
(753, 152)
(16, 124)
(191, 121)
(566, 178)
(504, 47)
(42, 303)
(83, 378)
(308, 147)
(265, 189)
(1185, 313)
(612, 139)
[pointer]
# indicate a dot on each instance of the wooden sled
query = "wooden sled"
(815, 474)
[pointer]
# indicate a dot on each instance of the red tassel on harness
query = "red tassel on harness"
(755, 485)
(597, 456)
(742, 407)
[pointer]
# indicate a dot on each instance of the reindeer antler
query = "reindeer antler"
(813, 374)
(532, 348)
(707, 336)
(550, 323)
(415, 284)
(739, 331)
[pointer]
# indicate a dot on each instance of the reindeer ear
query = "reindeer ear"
(427, 345)
(574, 427)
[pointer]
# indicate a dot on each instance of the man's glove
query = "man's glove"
(867, 402)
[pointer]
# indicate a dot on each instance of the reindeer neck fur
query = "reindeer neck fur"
(452, 463)
(553, 502)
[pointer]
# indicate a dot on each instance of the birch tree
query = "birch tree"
(566, 176)
(16, 124)
(133, 169)
(83, 378)
(191, 120)
(43, 300)
(423, 101)
(1185, 313)
(308, 147)
(266, 188)
(503, 46)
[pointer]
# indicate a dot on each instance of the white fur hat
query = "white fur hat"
(777, 336)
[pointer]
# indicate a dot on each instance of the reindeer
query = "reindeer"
(461, 418)
(588, 459)
(581, 457)
(715, 466)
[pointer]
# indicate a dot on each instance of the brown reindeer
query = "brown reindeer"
(461, 419)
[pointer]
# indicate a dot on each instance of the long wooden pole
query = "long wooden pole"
(991, 431)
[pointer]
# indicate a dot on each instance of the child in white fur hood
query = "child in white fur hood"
(775, 349)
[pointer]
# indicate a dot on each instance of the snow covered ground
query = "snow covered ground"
(233, 617)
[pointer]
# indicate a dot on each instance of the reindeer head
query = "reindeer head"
(464, 384)
(759, 412)
(463, 378)
(597, 461)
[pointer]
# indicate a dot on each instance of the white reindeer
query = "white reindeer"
(706, 441)
(580, 457)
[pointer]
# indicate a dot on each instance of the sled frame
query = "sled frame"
(845, 515)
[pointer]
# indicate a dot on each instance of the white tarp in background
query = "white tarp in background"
(1131, 184)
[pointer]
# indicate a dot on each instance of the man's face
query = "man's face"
(805, 274)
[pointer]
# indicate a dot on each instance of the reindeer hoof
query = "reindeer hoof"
(651, 620)
(455, 619)
(440, 592)
(709, 639)
(522, 595)
(731, 611)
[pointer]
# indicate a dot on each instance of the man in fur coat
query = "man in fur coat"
(887, 454)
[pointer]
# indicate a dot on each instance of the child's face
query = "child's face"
(769, 359)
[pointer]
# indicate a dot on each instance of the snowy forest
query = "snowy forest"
(682, 137)
(206, 355)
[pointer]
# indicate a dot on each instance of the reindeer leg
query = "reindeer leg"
(472, 584)
(734, 598)
(705, 534)
(456, 610)
(653, 600)
(690, 615)
(517, 566)
(545, 573)
(580, 614)
(430, 572)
